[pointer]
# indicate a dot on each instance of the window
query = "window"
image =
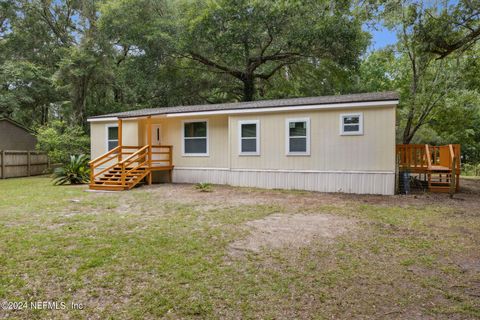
(112, 137)
(351, 124)
(298, 136)
(195, 138)
(249, 134)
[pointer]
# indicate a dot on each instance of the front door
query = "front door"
(156, 141)
(156, 134)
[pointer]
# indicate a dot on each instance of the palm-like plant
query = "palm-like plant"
(76, 171)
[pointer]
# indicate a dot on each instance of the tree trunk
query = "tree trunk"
(248, 87)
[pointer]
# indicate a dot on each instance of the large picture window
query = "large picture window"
(195, 138)
(351, 124)
(112, 137)
(298, 136)
(249, 133)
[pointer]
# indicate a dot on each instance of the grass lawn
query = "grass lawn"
(165, 251)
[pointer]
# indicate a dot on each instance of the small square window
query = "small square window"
(351, 124)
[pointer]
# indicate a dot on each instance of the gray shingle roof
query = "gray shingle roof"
(348, 98)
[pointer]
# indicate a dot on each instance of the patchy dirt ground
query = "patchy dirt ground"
(172, 252)
(467, 198)
(278, 231)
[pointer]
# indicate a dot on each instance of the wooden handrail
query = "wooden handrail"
(133, 155)
(105, 154)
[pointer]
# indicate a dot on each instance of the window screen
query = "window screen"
(249, 137)
(297, 136)
(195, 137)
(112, 138)
(351, 124)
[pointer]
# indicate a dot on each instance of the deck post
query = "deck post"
(120, 142)
(149, 142)
(453, 177)
(397, 174)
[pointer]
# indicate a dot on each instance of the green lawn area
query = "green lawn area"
(165, 252)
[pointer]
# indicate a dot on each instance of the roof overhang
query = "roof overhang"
(332, 106)
(106, 119)
(372, 104)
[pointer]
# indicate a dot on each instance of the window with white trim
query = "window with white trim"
(249, 134)
(298, 136)
(351, 124)
(195, 138)
(112, 137)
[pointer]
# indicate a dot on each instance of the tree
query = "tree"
(254, 40)
(451, 28)
(61, 141)
(428, 79)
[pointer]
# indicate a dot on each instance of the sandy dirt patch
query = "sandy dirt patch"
(294, 231)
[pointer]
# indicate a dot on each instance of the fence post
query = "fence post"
(28, 164)
(3, 164)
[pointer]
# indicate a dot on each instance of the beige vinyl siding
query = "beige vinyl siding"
(172, 134)
(329, 151)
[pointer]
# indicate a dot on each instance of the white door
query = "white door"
(156, 134)
(156, 141)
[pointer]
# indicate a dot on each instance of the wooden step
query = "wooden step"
(439, 189)
(106, 187)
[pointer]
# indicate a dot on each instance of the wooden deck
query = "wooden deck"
(437, 166)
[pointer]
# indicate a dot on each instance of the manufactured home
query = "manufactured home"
(343, 143)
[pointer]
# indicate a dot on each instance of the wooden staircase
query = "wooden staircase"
(125, 167)
(437, 166)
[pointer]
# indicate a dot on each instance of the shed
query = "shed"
(15, 136)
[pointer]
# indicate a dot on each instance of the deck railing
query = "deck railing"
(441, 161)
(130, 159)
(412, 156)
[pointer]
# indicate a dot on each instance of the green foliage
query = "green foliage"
(60, 141)
(76, 171)
(73, 59)
(470, 169)
(204, 187)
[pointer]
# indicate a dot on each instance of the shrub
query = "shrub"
(76, 171)
(60, 141)
(204, 187)
(469, 169)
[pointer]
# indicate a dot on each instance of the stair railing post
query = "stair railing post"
(92, 172)
(120, 140)
(149, 140)
(122, 174)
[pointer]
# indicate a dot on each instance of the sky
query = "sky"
(382, 38)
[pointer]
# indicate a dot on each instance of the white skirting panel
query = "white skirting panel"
(362, 182)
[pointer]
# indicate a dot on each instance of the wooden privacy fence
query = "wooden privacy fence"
(22, 163)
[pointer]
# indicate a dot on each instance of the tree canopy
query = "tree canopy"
(65, 60)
